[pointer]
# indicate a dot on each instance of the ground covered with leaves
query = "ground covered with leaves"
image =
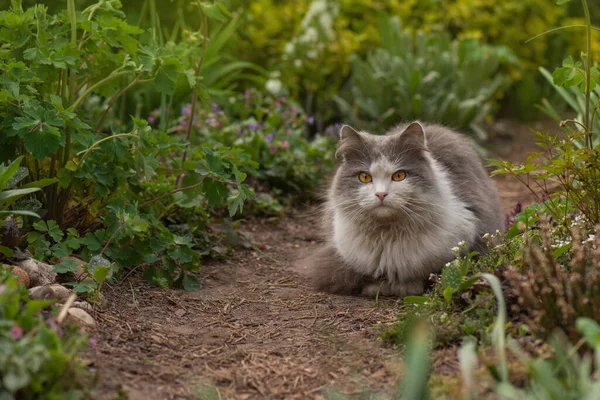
(256, 329)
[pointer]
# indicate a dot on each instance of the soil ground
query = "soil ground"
(256, 330)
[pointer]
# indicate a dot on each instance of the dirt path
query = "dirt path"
(256, 331)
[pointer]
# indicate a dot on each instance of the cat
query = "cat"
(397, 206)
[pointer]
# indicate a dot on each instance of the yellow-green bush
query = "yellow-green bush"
(272, 26)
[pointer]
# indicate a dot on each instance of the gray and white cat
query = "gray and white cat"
(397, 206)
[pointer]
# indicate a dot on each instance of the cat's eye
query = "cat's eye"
(399, 176)
(364, 177)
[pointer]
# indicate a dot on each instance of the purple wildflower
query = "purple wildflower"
(186, 109)
(151, 119)
(310, 120)
(214, 107)
(269, 137)
(93, 342)
(16, 332)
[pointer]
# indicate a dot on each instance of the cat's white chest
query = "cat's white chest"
(400, 255)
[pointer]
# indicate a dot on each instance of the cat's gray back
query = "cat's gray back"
(470, 181)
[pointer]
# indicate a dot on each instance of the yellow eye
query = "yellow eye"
(364, 177)
(399, 176)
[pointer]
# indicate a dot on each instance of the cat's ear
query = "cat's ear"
(413, 136)
(414, 132)
(351, 144)
(348, 133)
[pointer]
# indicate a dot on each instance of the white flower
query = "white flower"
(456, 249)
(311, 54)
(486, 236)
(231, 100)
(273, 86)
(311, 35)
(318, 6)
(461, 243)
(297, 63)
(289, 48)
(326, 21)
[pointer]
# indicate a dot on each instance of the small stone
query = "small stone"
(180, 313)
(39, 273)
(84, 305)
(81, 318)
(22, 277)
(80, 274)
(54, 291)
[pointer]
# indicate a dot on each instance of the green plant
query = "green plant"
(566, 373)
(558, 280)
(271, 130)
(10, 176)
(459, 303)
(570, 91)
(425, 76)
(57, 70)
(38, 353)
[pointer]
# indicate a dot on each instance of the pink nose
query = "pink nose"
(381, 195)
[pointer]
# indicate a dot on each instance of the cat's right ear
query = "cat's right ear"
(351, 144)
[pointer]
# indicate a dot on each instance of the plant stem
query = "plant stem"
(113, 100)
(588, 73)
(112, 237)
(86, 151)
(162, 196)
(110, 77)
(195, 90)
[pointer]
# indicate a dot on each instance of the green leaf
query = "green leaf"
(42, 183)
(590, 331)
(86, 286)
(7, 173)
(20, 212)
(6, 251)
(215, 191)
(214, 12)
(415, 300)
(66, 266)
(448, 294)
(166, 79)
(99, 261)
(561, 2)
(14, 194)
(51, 227)
(101, 272)
(191, 283)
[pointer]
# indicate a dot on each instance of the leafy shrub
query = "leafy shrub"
(272, 35)
(57, 70)
(428, 77)
(271, 130)
(36, 352)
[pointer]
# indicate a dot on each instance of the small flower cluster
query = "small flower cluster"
(315, 31)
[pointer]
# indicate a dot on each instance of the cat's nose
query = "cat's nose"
(381, 195)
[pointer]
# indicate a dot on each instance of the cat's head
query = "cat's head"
(382, 176)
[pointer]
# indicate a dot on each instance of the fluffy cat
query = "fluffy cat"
(397, 206)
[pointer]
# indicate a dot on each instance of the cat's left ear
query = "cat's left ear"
(413, 137)
(415, 132)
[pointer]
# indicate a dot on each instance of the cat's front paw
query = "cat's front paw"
(399, 289)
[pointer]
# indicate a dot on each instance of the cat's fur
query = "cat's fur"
(446, 197)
